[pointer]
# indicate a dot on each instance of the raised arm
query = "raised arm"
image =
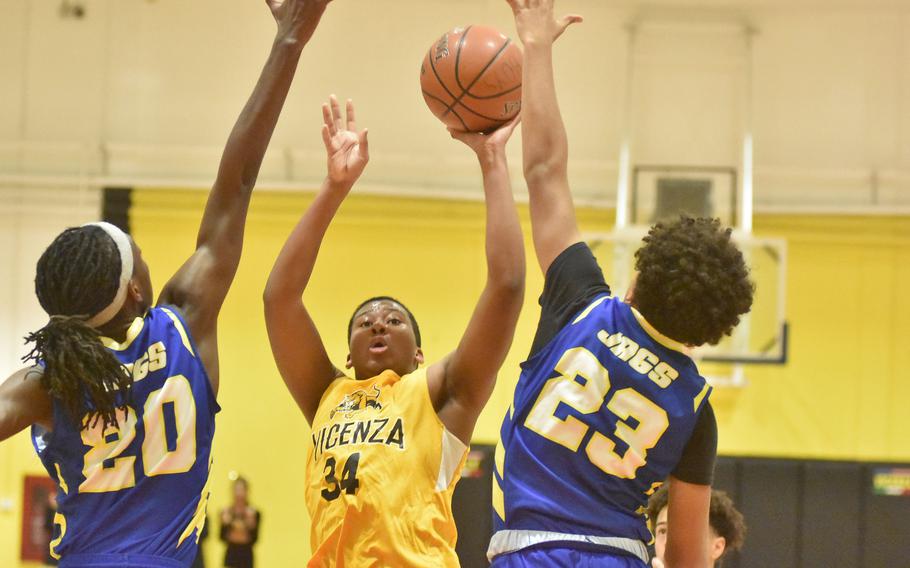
(23, 402)
(544, 145)
(301, 357)
(199, 287)
(461, 384)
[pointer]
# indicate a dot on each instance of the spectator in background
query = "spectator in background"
(728, 528)
(240, 527)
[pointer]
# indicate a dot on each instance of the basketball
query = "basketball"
(471, 78)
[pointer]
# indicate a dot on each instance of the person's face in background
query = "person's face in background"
(241, 492)
(716, 544)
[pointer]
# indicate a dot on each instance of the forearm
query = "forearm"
(295, 263)
(252, 132)
(23, 402)
(688, 525)
(504, 242)
(544, 141)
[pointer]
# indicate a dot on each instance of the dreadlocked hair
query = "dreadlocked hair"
(78, 276)
(693, 283)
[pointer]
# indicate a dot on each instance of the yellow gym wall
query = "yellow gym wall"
(838, 397)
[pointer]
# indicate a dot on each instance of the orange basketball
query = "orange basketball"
(471, 78)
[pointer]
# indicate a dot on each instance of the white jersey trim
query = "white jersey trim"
(507, 541)
(453, 451)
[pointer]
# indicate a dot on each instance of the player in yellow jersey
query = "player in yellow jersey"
(389, 443)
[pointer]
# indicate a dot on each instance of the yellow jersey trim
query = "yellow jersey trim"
(62, 481)
(180, 329)
(704, 391)
(198, 520)
(499, 458)
(131, 334)
(499, 501)
(590, 309)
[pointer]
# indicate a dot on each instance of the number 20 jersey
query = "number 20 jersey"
(600, 417)
(135, 495)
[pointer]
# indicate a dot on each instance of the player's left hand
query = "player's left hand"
(297, 19)
(348, 151)
(487, 145)
(535, 22)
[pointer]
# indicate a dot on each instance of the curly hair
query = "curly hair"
(77, 276)
(693, 283)
(725, 520)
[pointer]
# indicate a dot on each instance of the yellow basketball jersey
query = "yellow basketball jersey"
(380, 474)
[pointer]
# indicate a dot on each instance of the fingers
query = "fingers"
(327, 119)
(567, 21)
(326, 137)
(352, 121)
(336, 113)
(459, 135)
(364, 144)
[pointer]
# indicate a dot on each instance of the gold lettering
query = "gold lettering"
(663, 374)
(644, 361)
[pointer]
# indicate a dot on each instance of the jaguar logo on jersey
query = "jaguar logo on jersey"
(357, 401)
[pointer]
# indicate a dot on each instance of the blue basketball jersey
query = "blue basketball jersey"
(600, 417)
(135, 495)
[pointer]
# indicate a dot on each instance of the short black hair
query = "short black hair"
(693, 283)
(725, 520)
(388, 299)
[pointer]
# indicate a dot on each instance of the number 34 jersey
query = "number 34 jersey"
(135, 495)
(600, 417)
(380, 475)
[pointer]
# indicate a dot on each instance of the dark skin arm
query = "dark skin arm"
(544, 143)
(461, 384)
(299, 352)
(199, 287)
(23, 402)
(688, 525)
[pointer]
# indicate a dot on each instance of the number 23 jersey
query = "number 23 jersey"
(135, 495)
(602, 413)
(380, 475)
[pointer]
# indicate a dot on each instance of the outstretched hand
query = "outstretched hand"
(348, 151)
(535, 22)
(297, 19)
(487, 145)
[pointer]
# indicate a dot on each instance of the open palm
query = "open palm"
(348, 150)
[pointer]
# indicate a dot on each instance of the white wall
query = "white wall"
(29, 220)
(146, 91)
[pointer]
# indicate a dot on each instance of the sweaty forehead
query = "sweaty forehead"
(380, 307)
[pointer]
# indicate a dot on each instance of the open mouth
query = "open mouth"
(378, 346)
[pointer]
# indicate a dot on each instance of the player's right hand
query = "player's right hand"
(348, 150)
(490, 145)
(657, 563)
(535, 22)
(297, 19)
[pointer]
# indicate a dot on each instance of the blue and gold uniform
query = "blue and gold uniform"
(604, 410)
(135, 495)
